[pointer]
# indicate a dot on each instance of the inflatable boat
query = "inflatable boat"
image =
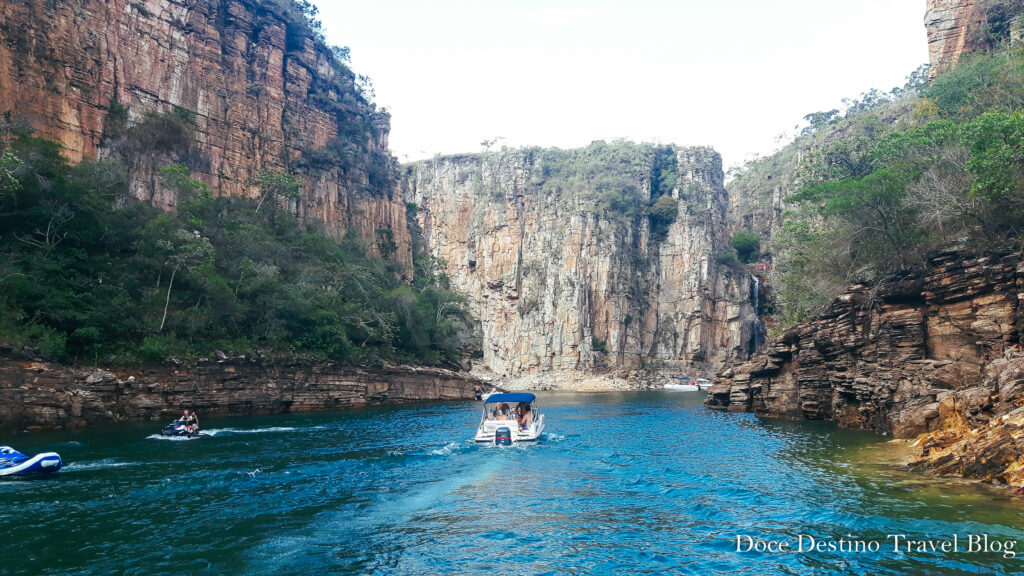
(14, 463)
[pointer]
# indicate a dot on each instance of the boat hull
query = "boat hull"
(485, 434)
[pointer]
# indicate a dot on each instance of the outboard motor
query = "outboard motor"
(503, 436)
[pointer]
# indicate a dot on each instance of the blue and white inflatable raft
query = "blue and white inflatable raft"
(14, 463)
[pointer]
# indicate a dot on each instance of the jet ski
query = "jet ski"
(179, 428)
(14, 463)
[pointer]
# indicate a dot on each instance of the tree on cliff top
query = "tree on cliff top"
(879, 198)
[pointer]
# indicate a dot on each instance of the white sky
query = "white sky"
(732, 74)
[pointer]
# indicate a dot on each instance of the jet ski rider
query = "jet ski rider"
(191, 421)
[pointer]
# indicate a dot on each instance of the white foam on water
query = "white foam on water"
(98, 465)
(447, 450)
(271, 430)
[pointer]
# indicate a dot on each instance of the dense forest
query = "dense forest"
(898, 175)
(90, 274)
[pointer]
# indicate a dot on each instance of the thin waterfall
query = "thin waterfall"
(757, 337)
(755, 296)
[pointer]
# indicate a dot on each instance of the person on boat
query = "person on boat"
(503, 411)
(525, 416)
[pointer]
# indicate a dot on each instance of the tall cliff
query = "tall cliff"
(959, 26)
(263, 92)
(566, 271)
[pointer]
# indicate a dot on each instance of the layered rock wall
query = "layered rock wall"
(892, 358)
(38, 395)
(959, 26)
(563, 273)
(263, 96)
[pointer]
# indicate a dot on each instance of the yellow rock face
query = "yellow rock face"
(258, 102)
(560, 283)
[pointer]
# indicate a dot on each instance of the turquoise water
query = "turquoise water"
(631, 483)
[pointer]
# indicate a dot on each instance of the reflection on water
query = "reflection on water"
(621, 483)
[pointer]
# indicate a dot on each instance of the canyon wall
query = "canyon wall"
(959, 26)
(564, 270)
(936, 353)
(885, 357)
(263, 93)
(35, 394)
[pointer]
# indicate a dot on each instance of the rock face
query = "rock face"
(981, 432)
(563, 270)
(938, 351)
(261, 93)
(883, 358)
(959, 26)
(757, 195)
(37, 395)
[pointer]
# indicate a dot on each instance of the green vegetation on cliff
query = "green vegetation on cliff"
(881, 187)
(87, 273)
(613, 177)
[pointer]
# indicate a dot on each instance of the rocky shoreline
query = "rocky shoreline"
(934, 355)
(40, 395)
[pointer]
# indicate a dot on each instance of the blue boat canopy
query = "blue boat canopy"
(511, 397)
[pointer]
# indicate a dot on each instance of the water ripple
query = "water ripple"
(637, 483)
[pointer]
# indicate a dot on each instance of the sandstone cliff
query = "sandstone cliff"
(937, 351)
(35, 394)
(959, 26)
(565, 273)
(264, 94)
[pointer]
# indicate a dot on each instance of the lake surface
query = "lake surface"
(622, 483)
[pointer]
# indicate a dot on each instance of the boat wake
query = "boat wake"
(97, 465)
(448, 449)
(383, 514)
(271, 430)
(229, 431)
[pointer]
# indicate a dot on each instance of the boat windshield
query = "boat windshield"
(503, 410)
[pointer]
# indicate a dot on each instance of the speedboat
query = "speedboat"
(481, 395)
(14, 463)
(499, 424)
(179, 428)
(689, 385)
(683, 385)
